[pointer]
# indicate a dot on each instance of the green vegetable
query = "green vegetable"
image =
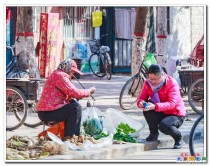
(101, 135)
(93, 126)
(122, 133)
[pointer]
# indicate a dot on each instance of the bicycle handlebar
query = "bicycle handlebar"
(12, 49)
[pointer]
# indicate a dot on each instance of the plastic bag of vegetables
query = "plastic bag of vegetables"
(93, 123)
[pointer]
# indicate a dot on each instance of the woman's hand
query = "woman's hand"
(92, 90)
(141, 105)
(150, 106)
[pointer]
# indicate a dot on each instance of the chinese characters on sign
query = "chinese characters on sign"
(48, 43)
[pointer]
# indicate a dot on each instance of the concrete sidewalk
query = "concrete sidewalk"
(107, 96)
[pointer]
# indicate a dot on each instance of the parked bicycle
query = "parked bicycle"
(196, 138)
(132, 87)
(196, 95)
(100, 62)
(12, 69)
(16, 108)
(21, 98)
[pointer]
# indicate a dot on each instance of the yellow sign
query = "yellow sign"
(97, 18)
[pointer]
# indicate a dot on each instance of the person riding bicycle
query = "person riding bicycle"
(162, 104)
(57, 101)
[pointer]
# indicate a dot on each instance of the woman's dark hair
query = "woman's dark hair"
(156, 69)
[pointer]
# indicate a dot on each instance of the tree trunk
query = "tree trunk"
(139, 35)
(25, 47)
(161, 29)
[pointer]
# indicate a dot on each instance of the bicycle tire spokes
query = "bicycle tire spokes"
(96, 65)
(107, 66)
(32, 119)
(130, 92)
(16, 106)
(196, 139)
(196, 96)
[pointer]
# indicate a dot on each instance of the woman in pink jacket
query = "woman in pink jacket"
(57, 101)
(162, 104)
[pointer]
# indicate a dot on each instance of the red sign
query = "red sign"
(48, 43)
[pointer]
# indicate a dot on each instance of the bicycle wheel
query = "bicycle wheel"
(196, 95)
(32, 119)
(96, 66)
(107, 66)
(130, 92)
(16, 108)
(196, 138)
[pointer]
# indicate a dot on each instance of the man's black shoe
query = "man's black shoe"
(178, 145)
(152, 137)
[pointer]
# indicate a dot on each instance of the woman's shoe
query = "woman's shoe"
(178, 145)
(152, 137)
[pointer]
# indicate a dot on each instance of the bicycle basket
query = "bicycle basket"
(94, 46)
(149, 60)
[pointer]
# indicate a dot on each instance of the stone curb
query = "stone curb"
(112, 152)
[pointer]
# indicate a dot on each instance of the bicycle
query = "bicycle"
(196, 95)
(100, 62)
(12, 69)
(21, 98)
(196, 138)
(16, 108)
(132, 87)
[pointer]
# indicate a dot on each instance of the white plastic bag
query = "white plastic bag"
(116, 117)
(92, 121)
(103, 142)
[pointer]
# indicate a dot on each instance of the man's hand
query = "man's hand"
(92, 90)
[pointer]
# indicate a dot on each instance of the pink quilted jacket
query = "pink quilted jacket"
(58, 91)
(171, 102)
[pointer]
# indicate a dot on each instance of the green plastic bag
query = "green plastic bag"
(149, 60)
(93, 124)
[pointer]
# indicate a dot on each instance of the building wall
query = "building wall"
(197, 23)
(60, 41)
(187, 27)
(178, 42)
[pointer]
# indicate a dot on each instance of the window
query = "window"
(36, 16)
(77, 23)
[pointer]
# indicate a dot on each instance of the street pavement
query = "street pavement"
(107, 96)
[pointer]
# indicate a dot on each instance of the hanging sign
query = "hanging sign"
(48, 43)
(97, 18)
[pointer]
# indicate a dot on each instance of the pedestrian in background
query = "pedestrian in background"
(58, 101)
(165, 110)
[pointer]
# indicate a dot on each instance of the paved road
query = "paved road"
(107, 96)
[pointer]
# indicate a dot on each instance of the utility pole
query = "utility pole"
(25, 41)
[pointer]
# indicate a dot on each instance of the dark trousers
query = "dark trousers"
(167, 124)
(70, 113)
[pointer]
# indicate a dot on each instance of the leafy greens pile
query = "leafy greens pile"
(122, 133)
